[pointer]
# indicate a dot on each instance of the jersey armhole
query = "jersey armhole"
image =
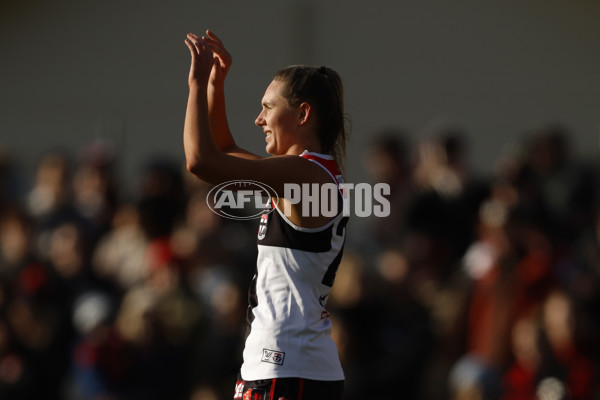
(332, 220)
(337, 184)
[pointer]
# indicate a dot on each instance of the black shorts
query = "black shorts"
(288, 389)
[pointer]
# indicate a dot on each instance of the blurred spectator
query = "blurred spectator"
(552, 186)
(520, 377)
(216, 362)
(443, 211)
(510, 266)
(562, 356)
(94, 188)
(348, 307)
(100, 358)
(473, 379)
(387, 160)
(50, 193)
(161, 198)
(15, 241)
(384, 333)
(119, 257)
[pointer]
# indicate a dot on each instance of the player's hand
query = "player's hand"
(202, 60)
(221, 55)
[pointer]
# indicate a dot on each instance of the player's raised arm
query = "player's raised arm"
(199, 145)
(204, 158)
(216, 98)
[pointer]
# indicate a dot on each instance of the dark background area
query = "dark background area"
(73, 72)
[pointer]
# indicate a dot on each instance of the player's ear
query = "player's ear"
(305, 113)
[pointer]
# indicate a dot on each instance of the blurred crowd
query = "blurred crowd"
(474, 288)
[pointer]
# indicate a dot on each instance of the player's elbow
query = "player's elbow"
(202, 169)
(205, 165)
(196, 167)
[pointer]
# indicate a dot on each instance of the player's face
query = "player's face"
(278, 119)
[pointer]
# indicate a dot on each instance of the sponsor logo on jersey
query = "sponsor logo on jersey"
(239, 390)
(262, 227)
(254, 394)
(323, 300)
(273, 356)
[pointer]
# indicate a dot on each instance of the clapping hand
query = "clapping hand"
(221, 56)
(202, 60)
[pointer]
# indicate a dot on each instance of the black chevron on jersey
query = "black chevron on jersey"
(280, 234)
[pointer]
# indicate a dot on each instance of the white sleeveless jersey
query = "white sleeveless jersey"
(290, 330)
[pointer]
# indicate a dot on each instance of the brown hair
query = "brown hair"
(322, 88)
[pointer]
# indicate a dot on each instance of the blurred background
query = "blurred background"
(117, 282)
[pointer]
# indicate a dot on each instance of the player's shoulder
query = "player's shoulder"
(327, 162)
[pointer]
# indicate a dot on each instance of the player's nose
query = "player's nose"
(259, 121)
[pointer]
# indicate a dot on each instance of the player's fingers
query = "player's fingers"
(210, 41)
(195, 40)
(192, 47)
(219, 51)
(193, 37)
(203, 50)
(213, 36)
(214, 45)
